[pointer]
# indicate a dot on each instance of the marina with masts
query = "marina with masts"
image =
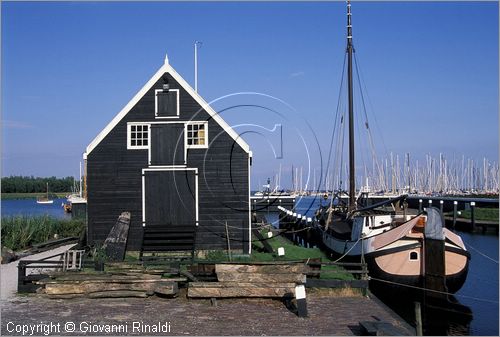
(458, 176)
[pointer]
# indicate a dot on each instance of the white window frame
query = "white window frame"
(129, 136)
(156, 104)
(409, 256)
(195, 146)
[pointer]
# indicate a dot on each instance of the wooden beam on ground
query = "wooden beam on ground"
(163, 287)
(262, 269)
(116, 242)
(119, 294)
(218, 292)
(267, 246)
(239, 284)
(113, 278)
(264, 278)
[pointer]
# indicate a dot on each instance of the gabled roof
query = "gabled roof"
(166, 68)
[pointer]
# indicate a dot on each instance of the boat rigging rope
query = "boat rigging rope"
(335, 124)
(480, 253)
(366, 124)
(432, 290)
(354, 245)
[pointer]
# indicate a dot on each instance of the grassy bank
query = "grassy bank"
(292, 253)
(488, 214)
(13, 196)
(20, 232)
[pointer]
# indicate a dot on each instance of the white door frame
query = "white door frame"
(159, 169)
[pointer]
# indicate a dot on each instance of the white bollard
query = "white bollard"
(281, 251)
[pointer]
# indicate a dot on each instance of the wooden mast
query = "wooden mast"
(352, 174)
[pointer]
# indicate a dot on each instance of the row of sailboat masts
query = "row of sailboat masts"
(401, 174)
(434, 175)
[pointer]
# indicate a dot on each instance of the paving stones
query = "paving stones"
(327, 315)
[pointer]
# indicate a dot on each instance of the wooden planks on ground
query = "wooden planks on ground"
(108, 285)
(239, 292)
(258, 277)
(116, 242)
(166, 287)
(264, 268)
(245, 280)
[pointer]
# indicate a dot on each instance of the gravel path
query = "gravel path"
(8, 272)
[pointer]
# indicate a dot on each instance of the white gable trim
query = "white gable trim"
(166, 68)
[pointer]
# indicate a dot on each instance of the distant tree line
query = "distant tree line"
(18, 184)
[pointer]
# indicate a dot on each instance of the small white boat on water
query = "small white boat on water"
(45, 199)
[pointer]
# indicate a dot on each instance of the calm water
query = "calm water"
(30, 207)
(480, 291)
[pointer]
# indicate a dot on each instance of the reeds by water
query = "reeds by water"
(20, 232)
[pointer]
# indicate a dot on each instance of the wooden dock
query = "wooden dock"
(270, 203)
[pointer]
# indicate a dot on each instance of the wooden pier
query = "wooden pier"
(271, 203)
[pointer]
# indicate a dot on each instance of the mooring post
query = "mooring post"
(21, 274)
(472, 216)
(228, 244)
(418, 319)
(300, 296)
(455, 203)
(420, 205)
(430, 203)
(441, 202)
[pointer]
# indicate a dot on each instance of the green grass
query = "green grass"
(489, 214)
(12, 196)
(20, 232)
(292, 253)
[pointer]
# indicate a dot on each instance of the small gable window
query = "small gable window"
(167, 103)
(137, 136)
(196, 135)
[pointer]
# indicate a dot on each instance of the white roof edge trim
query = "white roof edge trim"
(125, 110)
(204, 105)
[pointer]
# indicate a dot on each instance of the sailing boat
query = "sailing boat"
(402, 251)
(45, 199)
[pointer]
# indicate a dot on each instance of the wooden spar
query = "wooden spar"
(240, 292)
(165, 287)
(241, 284)
(239, 280)
(261, 277)
(262, 269)
(267, 247)
(116, 242)
(352, 173)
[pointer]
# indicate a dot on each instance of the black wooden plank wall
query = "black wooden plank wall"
(114, 179)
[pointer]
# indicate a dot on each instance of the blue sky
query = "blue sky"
(430, 70)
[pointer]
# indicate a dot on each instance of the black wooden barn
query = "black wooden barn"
(169, 159)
